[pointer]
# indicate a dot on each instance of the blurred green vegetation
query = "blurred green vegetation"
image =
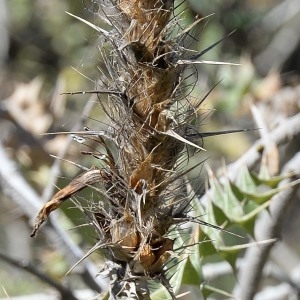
(45, 41)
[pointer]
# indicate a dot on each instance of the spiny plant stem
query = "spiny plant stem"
(140, 184)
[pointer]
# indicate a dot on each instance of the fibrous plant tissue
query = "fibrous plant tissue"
(142, 192)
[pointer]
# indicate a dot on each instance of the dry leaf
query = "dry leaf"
(76, 185)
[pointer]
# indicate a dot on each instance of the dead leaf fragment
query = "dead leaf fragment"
(76, 185)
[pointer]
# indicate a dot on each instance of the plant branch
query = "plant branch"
(267, 227)
(280, 136)
(288, 130)
(17, 188)
(29, 268)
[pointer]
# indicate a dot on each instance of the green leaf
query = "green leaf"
(232, 204)
(207, 215)
(245, 181)
(160, 294)
(261, 198)
(220, 217)
(231, 253)
(230, 257)
(186, 268)
(249, 225)
(271, 182)
(195, 258)
(253, 213)
(237, 192)
(206, 246)
(176, 277)
(264, 171)
(223, 197)
(208, 290)
(190, 275)
(212, 233)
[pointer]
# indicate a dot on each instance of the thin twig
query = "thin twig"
(29, 268)
(287, 131)
(281, 135)
(18, 190)
(269, 227)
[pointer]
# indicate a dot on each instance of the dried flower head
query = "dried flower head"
(143, 191)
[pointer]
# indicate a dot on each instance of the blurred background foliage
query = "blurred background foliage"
(45, 52)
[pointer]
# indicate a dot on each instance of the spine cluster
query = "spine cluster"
(143, 191)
